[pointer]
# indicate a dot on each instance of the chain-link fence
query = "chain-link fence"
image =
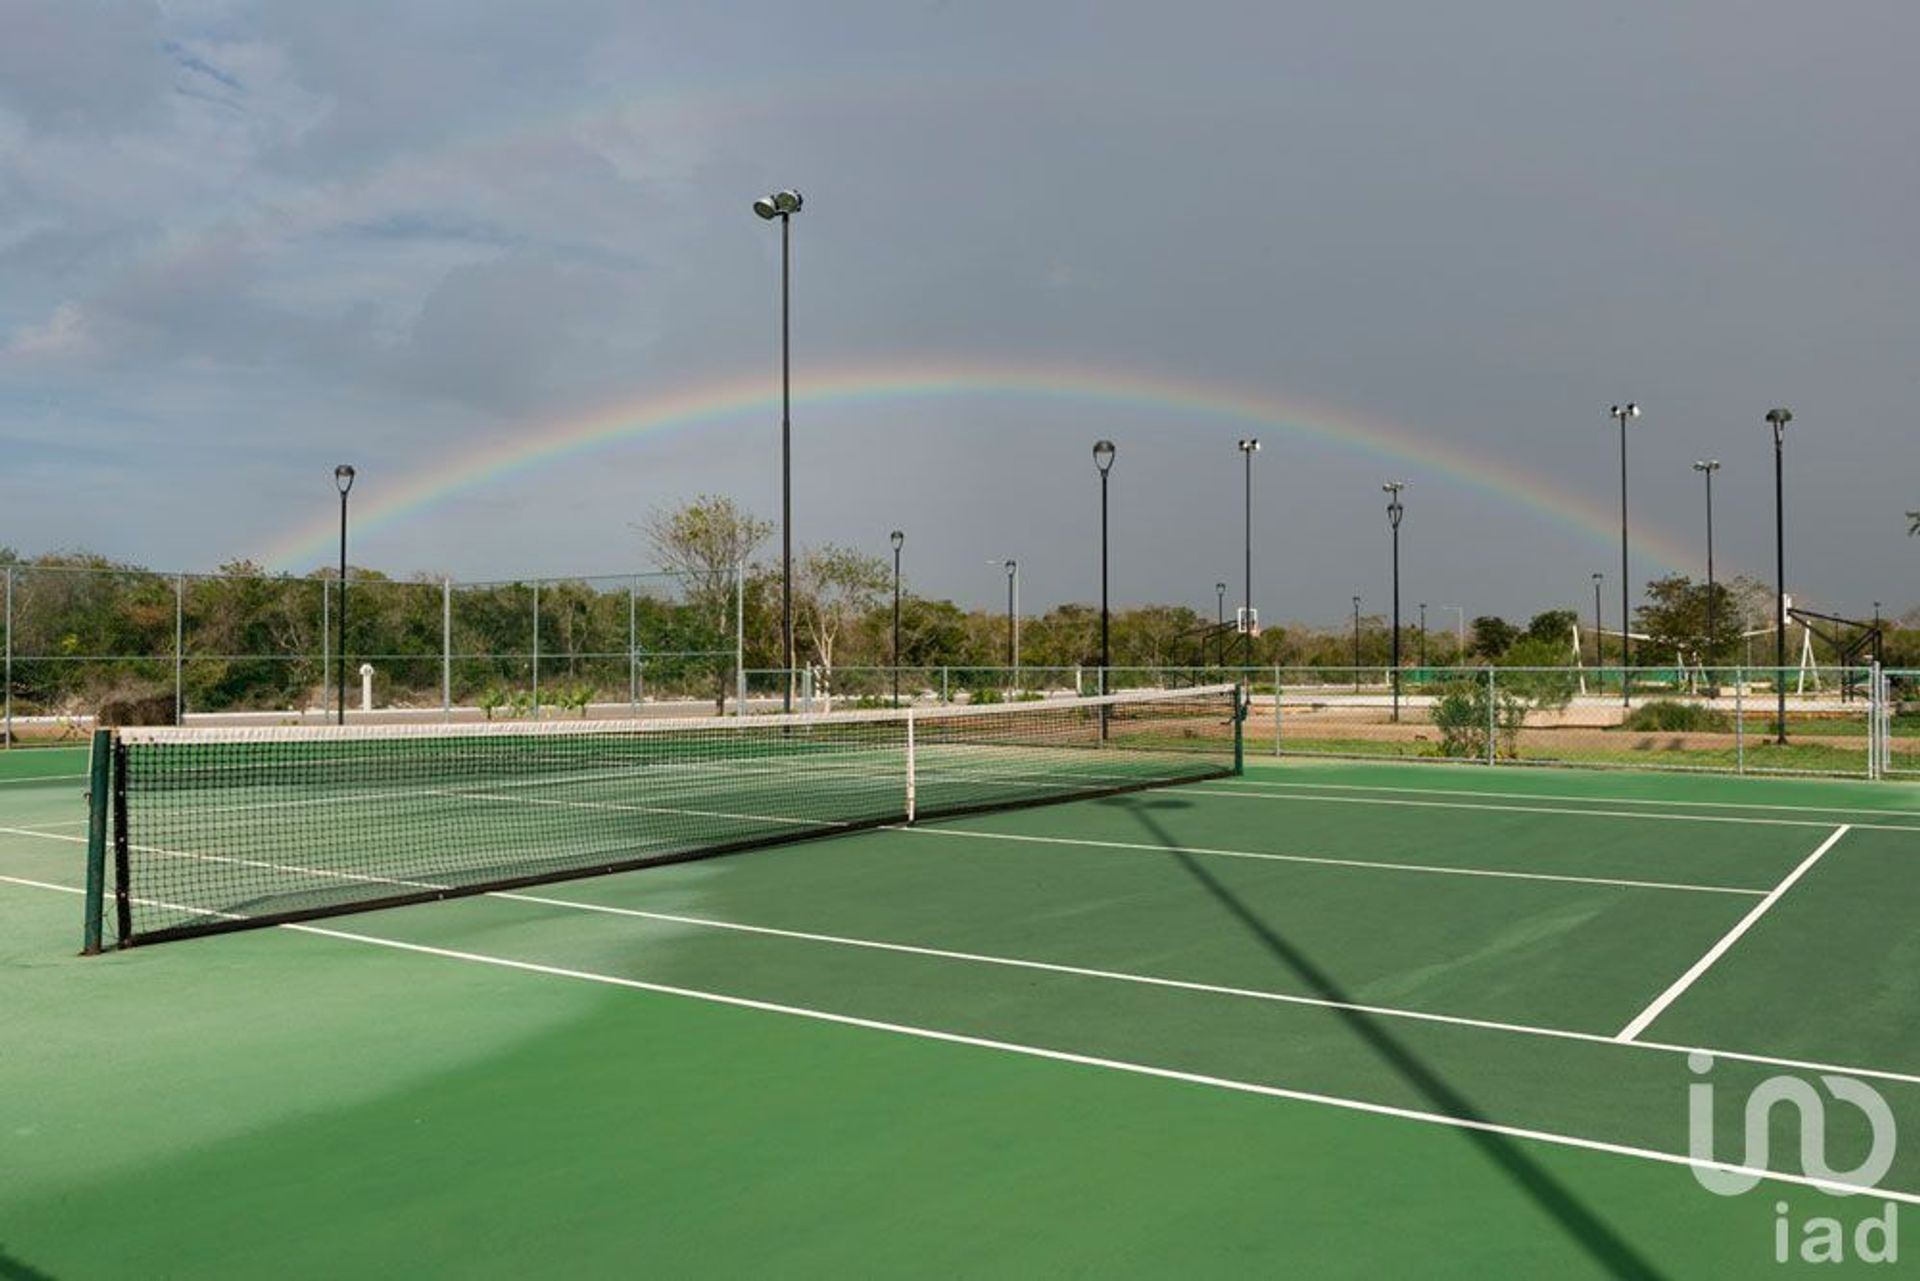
(138, 647)
(1742, 720)
(1898, 703)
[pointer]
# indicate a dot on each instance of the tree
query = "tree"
(1554, 627)
(1492, 636)
(1675, 618)
(833, 587)
(706, 542)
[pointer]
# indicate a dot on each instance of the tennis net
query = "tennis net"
(206, 830)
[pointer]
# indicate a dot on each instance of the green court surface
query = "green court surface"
(1321, 1019)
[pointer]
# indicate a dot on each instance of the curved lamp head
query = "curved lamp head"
(1394, 507)
(1221, 588)
(1779, 417)
(1103, 452)
(343, 477)
(778, 205)
(896, 538)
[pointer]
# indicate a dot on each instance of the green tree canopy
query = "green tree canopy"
(1675, 616)
(1492, 637)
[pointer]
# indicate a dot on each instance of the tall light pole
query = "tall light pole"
(783, 205)
(1778, 420)
(1599, 646)
(1623, 414)
(1423, 633)
(896, 538)
(1395, 510)
(1706, 467)
(1248, 448)
(1103, 452)
(343, 481)
(1356, 644)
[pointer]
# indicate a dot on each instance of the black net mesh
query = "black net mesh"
(222, 828)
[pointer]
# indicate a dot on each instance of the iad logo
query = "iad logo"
(1822, 1240)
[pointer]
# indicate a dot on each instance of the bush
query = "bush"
(987, 695)
(1663, 716)
(1461, 714)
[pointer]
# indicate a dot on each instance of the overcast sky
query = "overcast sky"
(241, 242)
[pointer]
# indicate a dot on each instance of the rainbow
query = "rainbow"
(754, 399)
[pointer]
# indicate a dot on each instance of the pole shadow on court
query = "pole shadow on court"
(1604, 1245)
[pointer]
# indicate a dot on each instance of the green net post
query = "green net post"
(99, 799)
(1242, 704)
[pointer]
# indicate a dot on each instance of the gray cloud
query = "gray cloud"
(239, 241)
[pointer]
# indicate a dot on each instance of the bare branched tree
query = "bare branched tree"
(706, 542)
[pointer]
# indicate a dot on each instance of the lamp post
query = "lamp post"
(1624, 414)
(1013, 615)
(1219, 624)
(1103, 452)
(896, 538)
(1395, 510)
(1248, 448)
(1423, 633)
(783, 205)
(1599, 648)
(1778, 420)
(343, 481)
(1356, 644)
(1706, 467)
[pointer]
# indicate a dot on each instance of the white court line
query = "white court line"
(1282, 998)
(1212, 790)
(48, 827)
(43, 778)
(1464, 792)
(1732, 936)
(1326, 861)
(1093, 1061)
(1049, 1054)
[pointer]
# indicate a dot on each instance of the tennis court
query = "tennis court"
(1319, 1017)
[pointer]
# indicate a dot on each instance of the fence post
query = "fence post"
(1276, 709)
(1873, 723)
(446, 649)
(536, 649)
(1493, 723)
(944, 700)
(633, 656)
(1739, 720)
(179, 647)
(326, 649)
(740, 639)
(6, 739)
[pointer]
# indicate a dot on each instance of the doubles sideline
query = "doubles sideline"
(1051, 1054)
